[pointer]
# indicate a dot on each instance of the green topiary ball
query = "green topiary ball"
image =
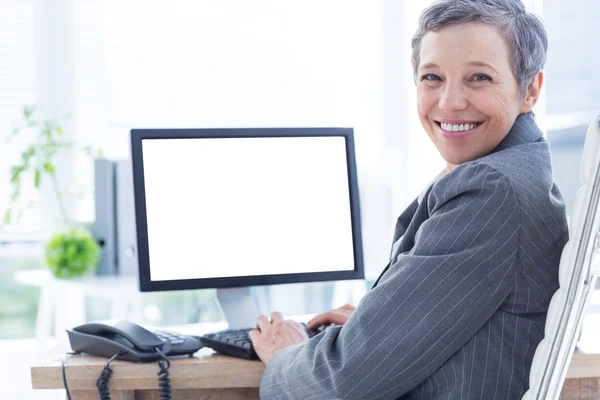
(71, 253)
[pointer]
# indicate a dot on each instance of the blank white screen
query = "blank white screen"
(225, 207)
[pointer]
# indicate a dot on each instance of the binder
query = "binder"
(103, 229)
(127, 258)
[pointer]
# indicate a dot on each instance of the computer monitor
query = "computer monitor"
(234, 208)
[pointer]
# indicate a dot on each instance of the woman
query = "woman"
(461, 307)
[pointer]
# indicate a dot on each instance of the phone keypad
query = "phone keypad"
(171, 337)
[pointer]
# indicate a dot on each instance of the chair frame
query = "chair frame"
(582, 283)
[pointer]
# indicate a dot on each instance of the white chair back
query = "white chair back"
(579, 268)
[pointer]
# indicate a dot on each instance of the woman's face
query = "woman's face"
(468, 97)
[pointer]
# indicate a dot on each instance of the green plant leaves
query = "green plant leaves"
(16, 170)
(38, 178)
(92, 152)
(28, 111)
(49, 167)
(7, 216)
(15, 194)
(37, 158)
(71, 253)
(47, 131)
(28, 153)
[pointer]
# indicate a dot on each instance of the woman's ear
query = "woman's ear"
(533, 93)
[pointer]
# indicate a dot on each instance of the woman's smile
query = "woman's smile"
(454, 129)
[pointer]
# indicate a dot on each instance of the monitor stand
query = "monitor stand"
(239, 307)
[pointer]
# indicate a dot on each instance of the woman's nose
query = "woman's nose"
(453, 98)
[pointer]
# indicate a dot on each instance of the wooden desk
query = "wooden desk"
(205, 376)
(211, 376)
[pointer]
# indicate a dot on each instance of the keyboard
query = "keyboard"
(237, 343)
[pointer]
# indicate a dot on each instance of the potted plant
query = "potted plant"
(71, 250)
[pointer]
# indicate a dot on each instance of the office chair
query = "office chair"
(579, 268)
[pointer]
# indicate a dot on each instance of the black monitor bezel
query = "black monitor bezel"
(147, 285)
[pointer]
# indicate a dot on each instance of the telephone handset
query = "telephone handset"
(130, 341)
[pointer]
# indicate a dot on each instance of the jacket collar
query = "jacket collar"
(524, 130)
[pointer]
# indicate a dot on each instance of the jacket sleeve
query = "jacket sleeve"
(429, 303)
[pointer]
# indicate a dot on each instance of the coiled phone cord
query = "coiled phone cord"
(102, 382)
(164, 382)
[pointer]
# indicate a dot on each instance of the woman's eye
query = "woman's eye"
(481, 78)
(430, 77)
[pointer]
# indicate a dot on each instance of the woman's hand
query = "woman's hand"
(271, 336)
(338, 316)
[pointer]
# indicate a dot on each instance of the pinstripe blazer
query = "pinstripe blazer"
(460, 308)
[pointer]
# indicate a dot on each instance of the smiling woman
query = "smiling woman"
(469, 96)
(460, 308)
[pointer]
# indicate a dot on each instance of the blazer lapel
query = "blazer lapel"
(404, 220)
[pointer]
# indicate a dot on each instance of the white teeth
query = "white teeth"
(457, 127)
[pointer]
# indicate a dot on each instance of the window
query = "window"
(232, 64)
(18, 89)
(198, 64)
(572, 85)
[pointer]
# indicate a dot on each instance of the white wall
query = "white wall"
(234, 64)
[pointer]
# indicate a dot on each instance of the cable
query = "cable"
(102, 382)
(164, 382)
(64, 376)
